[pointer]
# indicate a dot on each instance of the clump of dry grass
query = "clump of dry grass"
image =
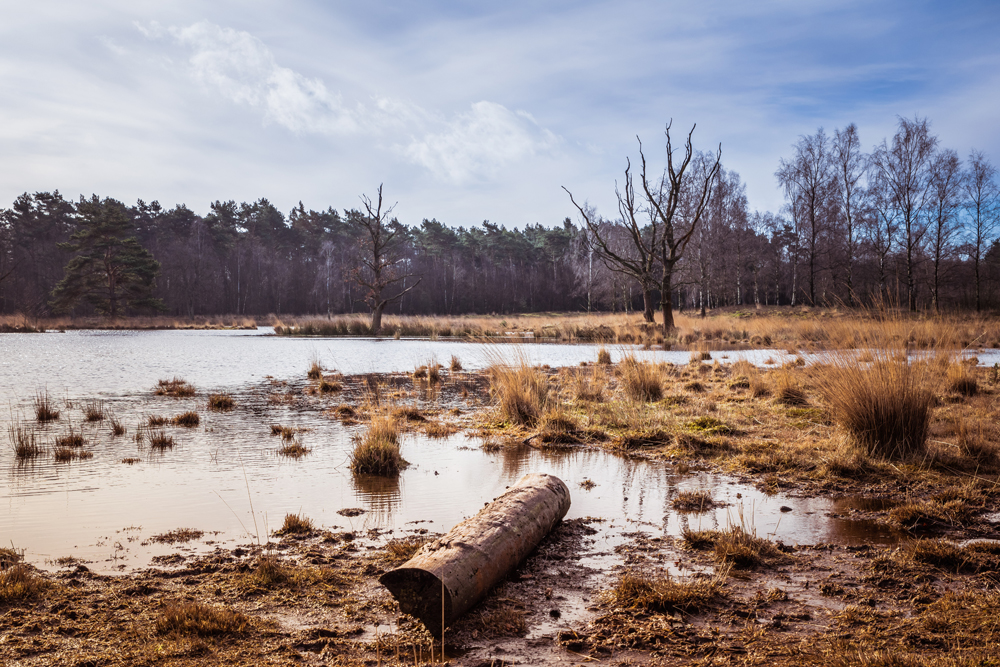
(19, 582)
(315, 369)
(287, 433)
(72, 439)
(10, 556)
(194, 618)
(962, 380)
(640, 380)
(456, 363)
(439, 429)
(693, 501)
(24, 441)
(884, 407)
(188, 419)
(401, 550)
(603, 356)
(45, 409)
(296, 524)
(408, 413)
(154, 421)
(94, 411)
(117, 426)
(787, 391)
(663, 594)
(178, 535)
(293, 449)
(376, 452)
(735, 546)
(175, 387)
(159, 439)
(329, 386)
(221, 402)
(520, 392)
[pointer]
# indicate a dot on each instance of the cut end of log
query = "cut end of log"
(419, 594)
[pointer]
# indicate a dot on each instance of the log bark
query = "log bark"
(448, 576)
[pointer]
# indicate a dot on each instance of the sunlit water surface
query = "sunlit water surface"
(104, 511)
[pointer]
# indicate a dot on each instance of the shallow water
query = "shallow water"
(104, 511)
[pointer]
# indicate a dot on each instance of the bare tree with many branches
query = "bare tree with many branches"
(381, 266)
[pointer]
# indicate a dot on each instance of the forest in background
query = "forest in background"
(909, 221)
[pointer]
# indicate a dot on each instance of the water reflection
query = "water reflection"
(380, 495)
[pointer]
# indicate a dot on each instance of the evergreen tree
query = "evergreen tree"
(111, 270)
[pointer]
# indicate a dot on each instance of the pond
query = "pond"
(225, 477)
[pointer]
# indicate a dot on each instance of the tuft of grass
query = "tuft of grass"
(708, 424)
(154, 421)
(71, 439)
(883, 407)
(456, 364)
(294, 449)
(175, 387)
(296, 524)
(18, 582)
(401, 550)
(663, 594)
(693, 501)
(420, 373)
(434, 373)
(962, 380)
(376, 452)
(788, 392)
(9, 557)
(94, 411)
(408, 413)
(45, 409)
(640, 380)
(221, 402)
(159, 439)
(188, 419)
(520, 392)
(315, 369)
(117, 427)
(24, 441)
(328, 386)
(603, 356)
(735, 546)
(194, 618)
(178, 535)
(437, 429)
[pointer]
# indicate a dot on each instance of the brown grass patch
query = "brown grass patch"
(194, 618)
(519, 391)
(19, 582)
(188, 419)
(662, 594)
(221, 402)
(175, 387)
(296, 524)
(45, 409)
(376, 452)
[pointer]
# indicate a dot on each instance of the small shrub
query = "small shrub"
(188, 419)
(221, 402)
(376, 452)
(296, 524)
(45, 409)
(194, 618)
(175, 387)
(94, 411)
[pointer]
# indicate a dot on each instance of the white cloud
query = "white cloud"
(480, 142)
(243, 69)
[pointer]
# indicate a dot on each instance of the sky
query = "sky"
(465, 111)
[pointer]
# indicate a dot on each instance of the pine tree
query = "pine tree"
(111, 270)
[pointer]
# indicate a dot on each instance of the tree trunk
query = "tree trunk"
(648, 305)
(377, 318)
(667, 304)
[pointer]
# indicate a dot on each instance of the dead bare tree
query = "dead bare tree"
(381, 266)
(637, 259)
(677, 206)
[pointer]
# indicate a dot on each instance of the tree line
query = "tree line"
(909, 221)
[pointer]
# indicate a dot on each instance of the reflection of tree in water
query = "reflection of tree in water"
(381, 496)
(514, 462)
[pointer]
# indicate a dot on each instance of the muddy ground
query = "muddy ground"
(313, 598)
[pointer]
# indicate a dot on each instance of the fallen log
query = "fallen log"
(448, 576)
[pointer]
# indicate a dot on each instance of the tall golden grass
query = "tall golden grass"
(376, 451)
(519, 391)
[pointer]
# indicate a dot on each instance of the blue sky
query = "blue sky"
(465, 110)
